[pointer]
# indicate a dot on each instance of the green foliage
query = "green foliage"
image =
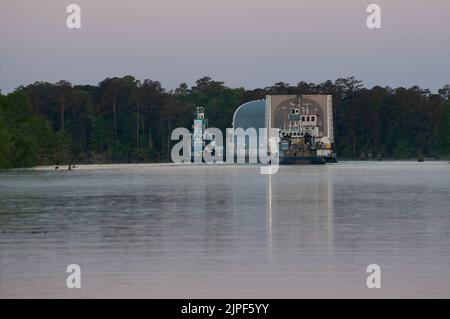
(127, 120)
(25, 137)
(62, 148)
(402, 149)
(6, 146)
(445, 132)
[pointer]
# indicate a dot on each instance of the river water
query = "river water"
(166, 231)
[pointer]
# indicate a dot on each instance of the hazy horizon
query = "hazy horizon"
(244, 44)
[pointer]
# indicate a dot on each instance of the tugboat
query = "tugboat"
(300, 142)
(201, 142)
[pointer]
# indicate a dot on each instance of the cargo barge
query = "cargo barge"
(304, 122)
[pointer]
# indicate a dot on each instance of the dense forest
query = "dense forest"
(128, 120)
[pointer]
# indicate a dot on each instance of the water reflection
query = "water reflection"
(300, 202)
(226, 231)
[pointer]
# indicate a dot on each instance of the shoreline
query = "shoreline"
(171, 164)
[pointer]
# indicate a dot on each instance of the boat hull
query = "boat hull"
(302, 160)
(331, 159)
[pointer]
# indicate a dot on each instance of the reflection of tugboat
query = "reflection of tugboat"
(300, 140)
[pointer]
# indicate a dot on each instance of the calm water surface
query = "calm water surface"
(226, 231)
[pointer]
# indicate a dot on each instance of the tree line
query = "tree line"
(123, 119)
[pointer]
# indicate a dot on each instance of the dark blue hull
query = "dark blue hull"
(301, 160)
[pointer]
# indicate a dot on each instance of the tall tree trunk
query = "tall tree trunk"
(62, 113)
(354, 141)
(168, 140)
(114, 118)
(147, 120)
(150, 137)
(377, 131)
(137, 123)
(84, 139)
(162, 142)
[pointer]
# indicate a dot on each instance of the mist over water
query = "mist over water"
(161, 230)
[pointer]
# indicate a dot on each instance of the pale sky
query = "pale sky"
(249, 43)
